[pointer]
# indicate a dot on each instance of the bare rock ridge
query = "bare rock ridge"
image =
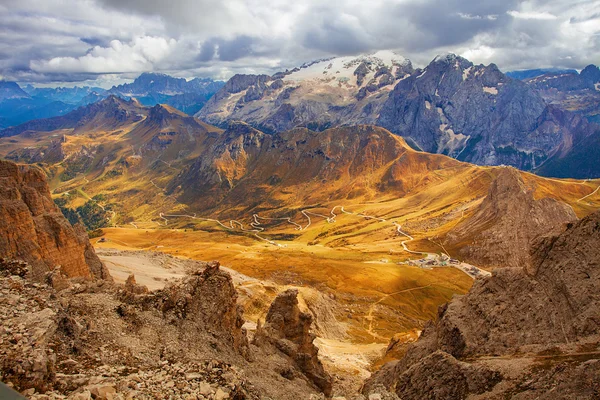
(101, 340)
(34, 230)
(526, 332)
(288, 329)
(500, 232)
(206, 300)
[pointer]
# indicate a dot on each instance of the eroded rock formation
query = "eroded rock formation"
(288, 329)
(101, 340)
(34, 230)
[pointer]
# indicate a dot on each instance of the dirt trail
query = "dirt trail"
(591, 194)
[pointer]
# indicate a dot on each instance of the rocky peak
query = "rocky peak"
(500, 232)
(591, 73)
(11, 90)
(206, 300)
(240, 82)
(163, 114)
(34, 230)
(288, 329)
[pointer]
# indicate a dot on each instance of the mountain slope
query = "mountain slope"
(340, 163)
(500, 232)
(477, 114)
(108, 114)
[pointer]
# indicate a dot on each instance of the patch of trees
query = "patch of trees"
(91, 215)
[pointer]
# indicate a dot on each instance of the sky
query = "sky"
(106, 42)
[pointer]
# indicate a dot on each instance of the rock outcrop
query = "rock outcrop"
(206, 300)
(528, 332)
(500, 232)
(34, 230)
(101, 340)
(288, 329)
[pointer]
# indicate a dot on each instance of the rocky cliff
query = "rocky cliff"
(500, 232)
(288, 329)
(525, 332)
(33, 228)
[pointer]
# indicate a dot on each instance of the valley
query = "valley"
(352, 213)
(375, 235)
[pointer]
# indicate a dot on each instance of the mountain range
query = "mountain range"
(19, 105)
(474, 113)
(546, 121)
(169, 160)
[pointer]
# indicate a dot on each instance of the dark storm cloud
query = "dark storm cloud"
(447, 23)
(94, 41)
(328, 30)
(228, 50)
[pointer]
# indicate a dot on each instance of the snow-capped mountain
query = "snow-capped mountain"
(318, 94)
(471, 112)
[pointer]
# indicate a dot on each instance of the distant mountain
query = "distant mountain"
(153, 88)
(473, 113)
(72, 95)
(532, 73)
(108, 114)
(11, 90)
(577, 92)
(21, 105)
(317, 95)
(18, 105)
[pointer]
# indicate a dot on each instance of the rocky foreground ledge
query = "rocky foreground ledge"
(80, 339)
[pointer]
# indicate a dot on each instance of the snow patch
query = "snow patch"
(451, 142)
(490, 90)
(427, 105)
(466, 73)
(344, 67)
(597, 86)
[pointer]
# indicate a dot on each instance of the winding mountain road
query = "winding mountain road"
(591, 194)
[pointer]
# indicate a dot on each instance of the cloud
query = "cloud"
(531, 15)
(141, 54)
(69, 40)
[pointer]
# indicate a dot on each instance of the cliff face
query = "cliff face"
(288, 329)
(519, 327)
(33, 228)
(500, 232)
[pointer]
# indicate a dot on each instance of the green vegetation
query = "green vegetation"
(91, 215)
